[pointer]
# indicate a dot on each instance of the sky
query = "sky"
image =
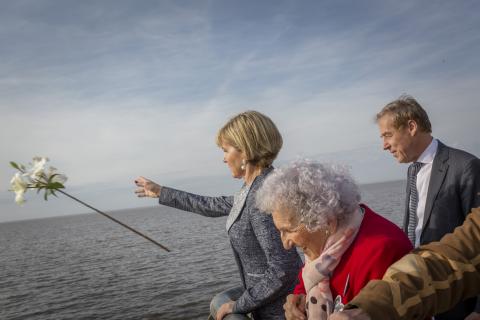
(111, 90)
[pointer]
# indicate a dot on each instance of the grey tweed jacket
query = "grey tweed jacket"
(268, 271)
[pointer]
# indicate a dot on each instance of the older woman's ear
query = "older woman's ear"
(332, 226)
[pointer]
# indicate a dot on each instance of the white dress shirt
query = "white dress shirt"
(423, 180)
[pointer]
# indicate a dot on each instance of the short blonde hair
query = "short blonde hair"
(253, 133)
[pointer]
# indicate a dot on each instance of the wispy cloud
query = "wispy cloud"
(112, 90)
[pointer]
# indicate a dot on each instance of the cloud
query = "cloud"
(113, 90)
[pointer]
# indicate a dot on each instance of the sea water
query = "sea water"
(87, 267)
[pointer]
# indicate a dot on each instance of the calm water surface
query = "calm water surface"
(86, 267)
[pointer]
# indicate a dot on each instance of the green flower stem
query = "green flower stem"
(115, 220)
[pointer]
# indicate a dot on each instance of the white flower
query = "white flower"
(58, 177)
(19, 186)
(36, 176)
(38, 167)
(18, 183)
(19, 198)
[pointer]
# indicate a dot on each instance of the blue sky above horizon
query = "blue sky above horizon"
(110, 90)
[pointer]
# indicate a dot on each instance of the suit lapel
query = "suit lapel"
(439, 171)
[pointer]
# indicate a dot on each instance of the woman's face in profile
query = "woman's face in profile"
(233, 158)
(294, 234)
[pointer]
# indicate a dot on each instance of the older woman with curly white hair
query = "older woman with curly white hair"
(316, 207)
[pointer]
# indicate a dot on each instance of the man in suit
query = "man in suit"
(443, 182)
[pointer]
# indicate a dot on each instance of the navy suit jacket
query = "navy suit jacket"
(453, 191)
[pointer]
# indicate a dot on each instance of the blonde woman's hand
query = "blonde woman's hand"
(147, 188)
(225, 310)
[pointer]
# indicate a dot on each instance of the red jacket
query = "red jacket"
(378, 244)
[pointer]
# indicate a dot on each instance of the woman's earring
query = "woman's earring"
(243, 164)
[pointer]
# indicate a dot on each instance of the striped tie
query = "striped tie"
(412, 212)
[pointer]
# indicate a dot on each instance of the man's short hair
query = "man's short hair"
(404, 109)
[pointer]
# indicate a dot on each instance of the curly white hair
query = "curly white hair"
(315, 192)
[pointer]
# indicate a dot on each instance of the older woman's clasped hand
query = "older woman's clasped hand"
(295, 307)
(147, 188)
(295, 310)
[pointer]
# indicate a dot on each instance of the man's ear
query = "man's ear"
(412, 127)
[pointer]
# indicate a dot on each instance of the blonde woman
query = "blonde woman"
(250, 142)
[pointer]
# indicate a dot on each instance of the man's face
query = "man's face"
(400, 141)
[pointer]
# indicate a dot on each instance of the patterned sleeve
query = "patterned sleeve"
(470, 193)
(203, 205)
(280, 276)
(431, 280)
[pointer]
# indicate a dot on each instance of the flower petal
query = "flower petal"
(60, 178)
(18, 183)
(19, 198)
